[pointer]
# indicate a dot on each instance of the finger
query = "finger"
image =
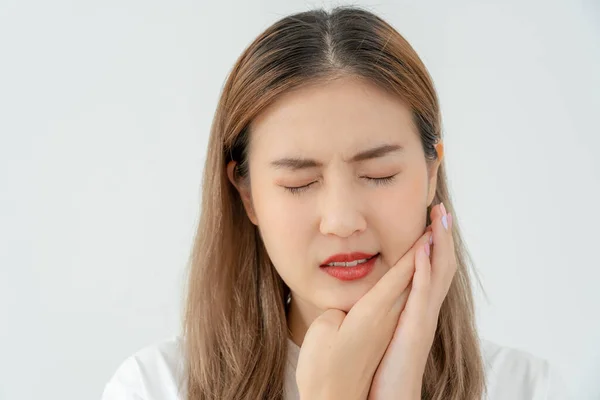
(319, 337)
(436, 212)
(419, 298)
(402, 299)
(443, 258)
(324, 327)
(387, 294)
(331, 319)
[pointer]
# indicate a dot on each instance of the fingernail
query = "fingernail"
(443, 208)
(427, 249)
(445, 221)
(450, 220)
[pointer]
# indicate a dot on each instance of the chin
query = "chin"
(343, 301)
(343, 296)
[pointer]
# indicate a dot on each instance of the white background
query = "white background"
(105, 109)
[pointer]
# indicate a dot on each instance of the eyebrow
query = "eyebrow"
(295, 164)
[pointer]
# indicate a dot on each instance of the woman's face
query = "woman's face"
(307, 140)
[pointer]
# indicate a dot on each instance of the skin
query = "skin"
(400, 372)
(340, 209)
(341, 352)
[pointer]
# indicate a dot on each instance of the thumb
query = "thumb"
(318, 338)
(324, 327)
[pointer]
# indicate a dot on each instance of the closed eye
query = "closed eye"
(298, 189)
(377, 181)
(381, 181)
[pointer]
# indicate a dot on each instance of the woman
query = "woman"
(327, 262)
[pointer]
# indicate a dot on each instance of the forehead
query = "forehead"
(344, 114)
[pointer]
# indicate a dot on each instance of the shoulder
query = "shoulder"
(156, 371)
(516, 374)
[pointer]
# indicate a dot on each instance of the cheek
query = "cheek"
(401, 218)
(281, 215)
(284, 226)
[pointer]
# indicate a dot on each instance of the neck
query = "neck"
(300, 316)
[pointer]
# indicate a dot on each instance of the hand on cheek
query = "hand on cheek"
(341, 351)
(400, 372)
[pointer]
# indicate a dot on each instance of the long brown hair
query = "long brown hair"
(235, 328)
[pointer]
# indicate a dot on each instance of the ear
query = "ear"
(433, 172)
(243, 190)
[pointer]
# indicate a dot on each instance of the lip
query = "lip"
(347, 257)
(351, 273)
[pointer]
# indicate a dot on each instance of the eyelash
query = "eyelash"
(377, 181)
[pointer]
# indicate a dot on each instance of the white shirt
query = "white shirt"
(157, 372)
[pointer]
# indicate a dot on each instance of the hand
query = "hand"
(400, 374)
(340, 352)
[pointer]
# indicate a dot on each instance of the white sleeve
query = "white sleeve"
(125, 384)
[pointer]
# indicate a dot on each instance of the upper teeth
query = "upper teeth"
(348, 264)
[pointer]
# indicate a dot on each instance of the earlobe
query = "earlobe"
(243, 191)
(439, 148)
(231, 173)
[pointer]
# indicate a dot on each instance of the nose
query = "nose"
(341, 213)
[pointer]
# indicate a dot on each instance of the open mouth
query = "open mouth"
(350, 271)
(348, 264)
